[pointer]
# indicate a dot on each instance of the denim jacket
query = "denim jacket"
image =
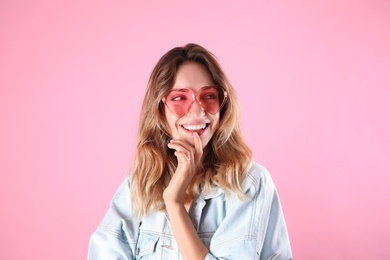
(231, 228)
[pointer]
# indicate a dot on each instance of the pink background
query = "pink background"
(313, 79)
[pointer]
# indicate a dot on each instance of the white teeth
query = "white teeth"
(195, 127)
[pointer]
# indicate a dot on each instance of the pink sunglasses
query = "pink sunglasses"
(210, 98)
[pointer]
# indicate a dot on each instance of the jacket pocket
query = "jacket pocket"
(146, 246)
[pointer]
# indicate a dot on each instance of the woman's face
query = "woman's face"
(193, 76)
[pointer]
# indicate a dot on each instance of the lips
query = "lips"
(192, 128)
(195, 127)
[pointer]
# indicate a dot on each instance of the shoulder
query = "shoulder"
(257, 178)
(119, 220)
(121, 197)
(116, 236)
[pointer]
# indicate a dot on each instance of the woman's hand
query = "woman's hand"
(188, 158)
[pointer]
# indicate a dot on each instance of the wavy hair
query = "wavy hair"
(226, 158)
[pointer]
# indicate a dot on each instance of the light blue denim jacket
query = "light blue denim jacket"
(230, 228)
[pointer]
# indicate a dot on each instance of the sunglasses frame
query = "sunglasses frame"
(195, 97)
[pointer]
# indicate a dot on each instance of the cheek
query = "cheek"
(172, 123)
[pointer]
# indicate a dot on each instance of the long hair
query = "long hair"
(226, 158)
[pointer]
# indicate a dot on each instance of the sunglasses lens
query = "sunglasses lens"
(179, 101)
(210, 98)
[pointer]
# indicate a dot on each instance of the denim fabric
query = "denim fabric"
(230, 228)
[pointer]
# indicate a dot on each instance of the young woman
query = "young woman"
(193, 191)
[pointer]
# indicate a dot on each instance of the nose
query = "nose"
(196, 109)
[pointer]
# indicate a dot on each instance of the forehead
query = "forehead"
(189, 91)
(192, 75)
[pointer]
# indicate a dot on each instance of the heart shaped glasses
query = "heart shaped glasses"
(210, 98)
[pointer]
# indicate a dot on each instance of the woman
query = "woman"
(193, 191)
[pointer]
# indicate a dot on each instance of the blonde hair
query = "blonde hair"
(226, 158)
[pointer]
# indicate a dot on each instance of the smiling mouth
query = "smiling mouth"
(195, 128)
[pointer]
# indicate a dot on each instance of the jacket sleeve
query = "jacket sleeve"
(116, 236)
(253, 228)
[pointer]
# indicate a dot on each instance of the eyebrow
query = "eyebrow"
(180, 89)
(189, 88)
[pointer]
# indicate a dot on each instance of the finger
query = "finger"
(181, 146)
(183, 157)
(198, 145)
(179, 142)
